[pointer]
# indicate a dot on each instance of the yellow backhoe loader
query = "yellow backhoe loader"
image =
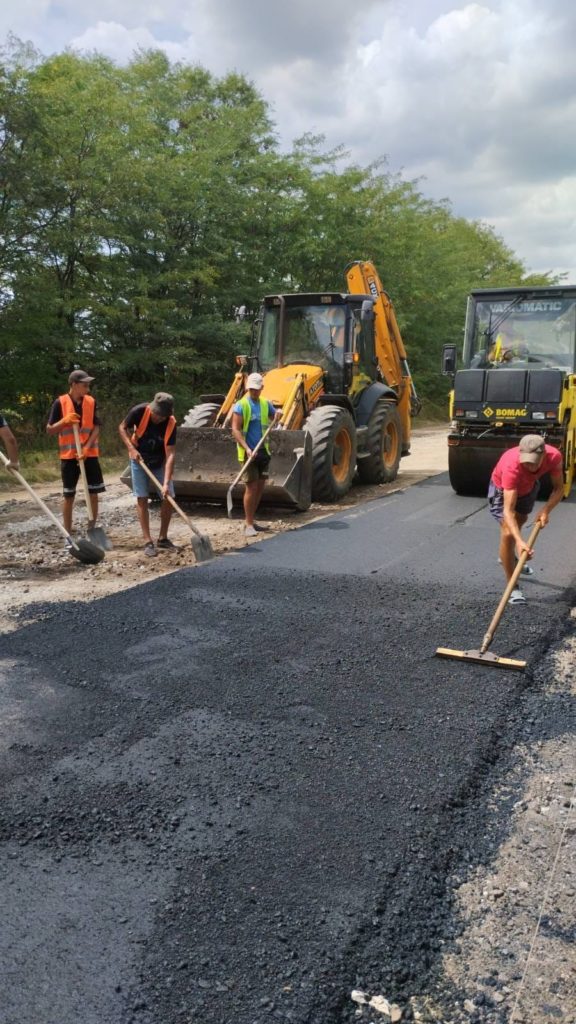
(335, 364)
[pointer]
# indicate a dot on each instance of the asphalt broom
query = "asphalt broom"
(484, 656)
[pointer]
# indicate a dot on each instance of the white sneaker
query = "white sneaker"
(516, 597)
(527, 570)
(250, 531)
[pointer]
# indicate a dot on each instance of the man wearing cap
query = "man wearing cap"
(149, 433)
(251, 418)
(79, 407)
(513, 489)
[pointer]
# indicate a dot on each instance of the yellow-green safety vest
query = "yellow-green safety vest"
(244, 403)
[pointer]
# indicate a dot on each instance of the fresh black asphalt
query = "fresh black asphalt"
(232, 795)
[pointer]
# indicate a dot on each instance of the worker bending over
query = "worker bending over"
(513, 489)
(149, 433)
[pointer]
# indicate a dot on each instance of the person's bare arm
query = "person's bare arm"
(168, 469)
(132, 450)
(237, 424)
(554, 499)
(510, 499)
(11, 445)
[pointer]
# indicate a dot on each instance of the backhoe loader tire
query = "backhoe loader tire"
(201, 415)
(384, 444)
(333, 435)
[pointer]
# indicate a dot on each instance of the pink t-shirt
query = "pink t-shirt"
(512, 475)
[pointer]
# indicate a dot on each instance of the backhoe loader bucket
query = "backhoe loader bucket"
(206, 465)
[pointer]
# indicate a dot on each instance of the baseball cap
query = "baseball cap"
(532, 448)
(80, 377)
(256, 381)
(162, 404)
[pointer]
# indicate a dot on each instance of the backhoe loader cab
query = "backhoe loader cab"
(518, 377)
(334, 363)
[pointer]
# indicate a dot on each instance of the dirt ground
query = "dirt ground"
(514, 959)
(34, 567)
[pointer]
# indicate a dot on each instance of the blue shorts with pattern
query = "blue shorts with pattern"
(524, 504)
(142, 486)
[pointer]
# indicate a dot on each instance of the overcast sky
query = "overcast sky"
(476, 99)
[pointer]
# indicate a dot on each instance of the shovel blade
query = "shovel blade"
(97, 536)
(229, 502)
(85, 551)
(202, 548)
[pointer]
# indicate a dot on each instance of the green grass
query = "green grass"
(44, 467)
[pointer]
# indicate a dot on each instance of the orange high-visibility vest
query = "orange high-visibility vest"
(66, 442)
(145, 420)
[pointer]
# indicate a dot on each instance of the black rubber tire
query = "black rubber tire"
(202, 415)
(384, 443)
(333, 435)
(470, 469)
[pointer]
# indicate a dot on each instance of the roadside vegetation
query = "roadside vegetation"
(140, 206)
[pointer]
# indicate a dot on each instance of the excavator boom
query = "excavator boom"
(362, 276)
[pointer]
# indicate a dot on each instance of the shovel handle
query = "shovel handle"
(169, 498)
(509, 588)
(86, 489)
(37, 499)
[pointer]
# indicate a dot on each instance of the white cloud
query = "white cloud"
(477, 97)
(119, 43)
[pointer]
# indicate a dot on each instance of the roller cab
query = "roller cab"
(518, 377)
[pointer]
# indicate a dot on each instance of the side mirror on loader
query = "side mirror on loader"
(449, 360)
(367, 311)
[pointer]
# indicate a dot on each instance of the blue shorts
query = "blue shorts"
(142, 486)
(524, 504)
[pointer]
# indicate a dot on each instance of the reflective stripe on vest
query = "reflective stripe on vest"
(144, 421)
(244, 403)
(66, 442)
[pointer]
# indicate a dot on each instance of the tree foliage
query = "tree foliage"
(139, 205)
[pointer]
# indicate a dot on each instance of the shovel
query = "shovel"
(96, 534)
(201, 545)
(484, 656)
(245, 464)
(83, 550)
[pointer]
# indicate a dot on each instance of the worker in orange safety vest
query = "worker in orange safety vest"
(77, 406)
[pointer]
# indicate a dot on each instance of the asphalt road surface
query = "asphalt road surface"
(233, 794)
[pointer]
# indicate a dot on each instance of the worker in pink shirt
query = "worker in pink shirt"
(513, 489)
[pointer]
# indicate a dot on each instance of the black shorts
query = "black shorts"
(258, 468)
(70, 470)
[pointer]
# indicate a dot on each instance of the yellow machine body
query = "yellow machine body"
(335, 364)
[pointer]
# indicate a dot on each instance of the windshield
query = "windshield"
(312, 334)
(522, 332)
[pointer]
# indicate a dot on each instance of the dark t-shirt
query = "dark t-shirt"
(151, 444)
(56, 412)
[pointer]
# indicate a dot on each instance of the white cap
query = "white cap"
(256, 381)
